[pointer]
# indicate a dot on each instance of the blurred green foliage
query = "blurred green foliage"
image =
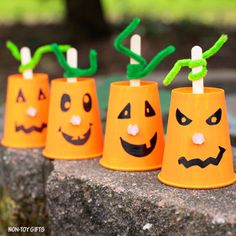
(31, 11)
(220, 12)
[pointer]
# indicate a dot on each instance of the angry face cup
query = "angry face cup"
(198, 152)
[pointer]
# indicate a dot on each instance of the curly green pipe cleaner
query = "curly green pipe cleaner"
(71, 72)
(195, 63)
(36, 57)
(122, 36)
(135, 71)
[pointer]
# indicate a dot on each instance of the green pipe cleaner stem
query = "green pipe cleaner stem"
(70, 72)
(118, 43)
(142, 69)
(36, 57)
(195, 63)
(14, 50)
(136, 71)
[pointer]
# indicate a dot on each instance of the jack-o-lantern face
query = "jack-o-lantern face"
(138, 150)
(74, 127)
(26, 111)
(198, 151)
(65, 107)
(134, 137)
(31, 111)
(198, 139)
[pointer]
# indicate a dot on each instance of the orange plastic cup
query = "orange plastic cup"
(74, 126)
(198, 153)
(26, 111)
(134, 139)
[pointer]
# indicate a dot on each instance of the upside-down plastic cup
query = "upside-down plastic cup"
(26, 111)
(134, 139)
(74, 126)
(198, 153)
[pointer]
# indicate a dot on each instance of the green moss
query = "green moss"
(7, 212)
(23, 214)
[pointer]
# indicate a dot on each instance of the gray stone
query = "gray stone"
(86, 199)
(23, 175)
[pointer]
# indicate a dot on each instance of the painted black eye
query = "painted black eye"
(125, 113)
(87, 102)
(215, 118)
(65, 102)
(149, 111)
(41, 95)
(20, 97)
(182, 119)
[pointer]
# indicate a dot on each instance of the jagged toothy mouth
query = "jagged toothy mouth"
(200, 163)
(31, 128)
(78, 141)
(139, 150)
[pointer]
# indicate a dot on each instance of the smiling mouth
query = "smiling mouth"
(78, 141)
(139, 150)
(200, 163)
(31, 128)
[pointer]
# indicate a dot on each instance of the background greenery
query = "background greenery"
(220, 12)
(31, 11)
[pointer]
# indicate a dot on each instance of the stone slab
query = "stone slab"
(86, 199)
(23, 175)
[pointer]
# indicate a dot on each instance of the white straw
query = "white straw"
(72, 60)
(135, 46)
(197, 85)
(25, 58)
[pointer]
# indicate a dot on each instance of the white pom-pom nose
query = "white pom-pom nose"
(133, 129)
(75, 120)
(198, 138)
(31, 111)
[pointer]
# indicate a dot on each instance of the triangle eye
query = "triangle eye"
(215, 118)
(181, 118)
(125, 113)
(149, 111)
(20, 97)
(41, 95)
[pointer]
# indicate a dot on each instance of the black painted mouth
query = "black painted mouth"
(31, 128)
(200, 163)
(139, 150)
(78, 141)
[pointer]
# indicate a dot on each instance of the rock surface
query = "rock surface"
(86, 199)
(83, 198)
(23, 175)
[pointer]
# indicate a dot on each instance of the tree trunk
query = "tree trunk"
(86, 17)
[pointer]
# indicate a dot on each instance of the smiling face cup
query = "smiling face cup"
(26, 111)
(74, 127)
(198, 152)
(134, 139)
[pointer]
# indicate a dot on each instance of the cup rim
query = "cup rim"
(36, 76)
(207, 90)
(126, 84)
(78, 80)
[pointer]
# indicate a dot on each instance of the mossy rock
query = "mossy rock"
(7, 212)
